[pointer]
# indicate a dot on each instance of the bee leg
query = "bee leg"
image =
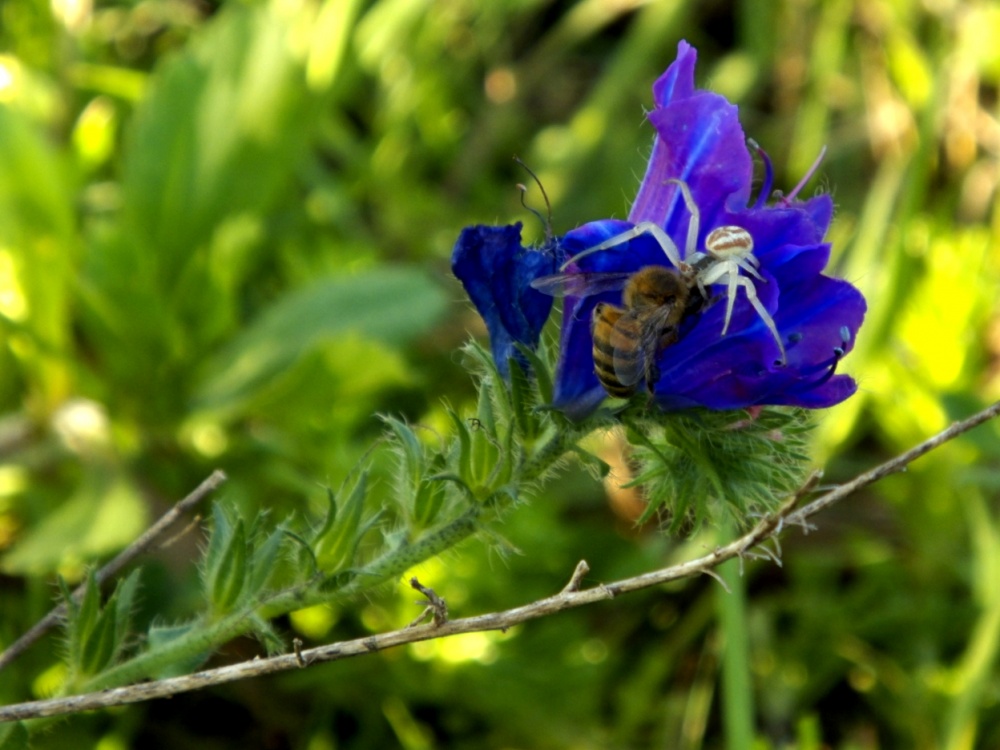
(652, 377)
(668, 335)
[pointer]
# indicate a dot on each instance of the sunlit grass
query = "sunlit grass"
(165, 306)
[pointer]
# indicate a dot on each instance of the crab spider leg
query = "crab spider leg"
(643, 227)
(748, 266)
(724, 269)
(664, 241)
(694, 223)
(733, 280)
(752, 298)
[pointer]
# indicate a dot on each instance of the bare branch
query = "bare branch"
(140, 545)
(898, 463)
(569, 598)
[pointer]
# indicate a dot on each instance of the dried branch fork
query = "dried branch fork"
(570, 597)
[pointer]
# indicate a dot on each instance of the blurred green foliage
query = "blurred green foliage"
(224, 232)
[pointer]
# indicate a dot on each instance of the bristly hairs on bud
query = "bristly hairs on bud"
(699, 465)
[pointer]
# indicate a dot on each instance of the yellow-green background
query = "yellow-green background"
(224, 242)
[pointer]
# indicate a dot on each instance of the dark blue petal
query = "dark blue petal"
(774, 227)
(496, 272)
(832, 392)
(813, 320)
(820, 314)
(796, 262)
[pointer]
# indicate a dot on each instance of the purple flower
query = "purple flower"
(701, 144)
(497, 272)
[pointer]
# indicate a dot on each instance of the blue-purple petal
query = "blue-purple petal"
(700, 141)
(729, 373)
(677, 82)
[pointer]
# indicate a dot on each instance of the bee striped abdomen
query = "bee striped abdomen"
(613, 339)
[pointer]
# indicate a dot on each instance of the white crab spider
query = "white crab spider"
(728, 250)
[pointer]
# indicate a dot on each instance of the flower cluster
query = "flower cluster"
(700, 147)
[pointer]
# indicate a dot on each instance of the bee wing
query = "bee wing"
(580, 284)
(637, 338)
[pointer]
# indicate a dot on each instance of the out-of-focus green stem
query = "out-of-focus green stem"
(737, 693)
(974, 670)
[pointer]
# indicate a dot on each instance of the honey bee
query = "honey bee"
(628, 340)
(728, 251)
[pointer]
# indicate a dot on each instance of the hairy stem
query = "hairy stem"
(206, 637)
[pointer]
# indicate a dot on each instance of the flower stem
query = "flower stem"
(204, 638)
(737, 692)
(545, 456)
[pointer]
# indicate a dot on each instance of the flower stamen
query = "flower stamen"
(828, 367)
(765, 187)
(805, 178)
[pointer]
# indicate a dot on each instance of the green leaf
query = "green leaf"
(428, 502)
(522, 401)
(485, 450)
(81, 621)
(228, 577)
(263, 560)
(104, 515)
(14, 737)
(463, 460)
(335, 546)
(267, 635)
(331, 514)
(124, 600)
(541, 372)
(458, 482)
(707, 465)
(218, 540)
(413, 451)
(97, 634)
(99, 646)
(225, 570)
(391, 304)
(220, 133)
